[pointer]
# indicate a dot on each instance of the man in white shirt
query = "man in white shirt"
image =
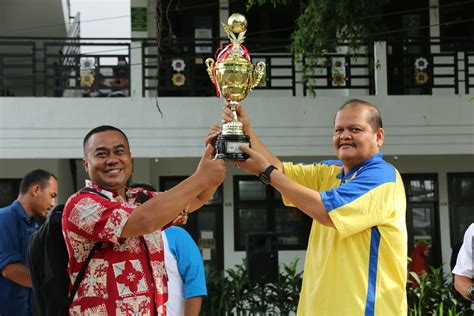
(464, 270)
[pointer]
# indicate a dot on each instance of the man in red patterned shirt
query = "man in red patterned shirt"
(126, 276)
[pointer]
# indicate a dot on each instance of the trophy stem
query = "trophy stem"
(233, 105)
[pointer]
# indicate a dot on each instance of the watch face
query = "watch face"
(470, 292)
(264, 178)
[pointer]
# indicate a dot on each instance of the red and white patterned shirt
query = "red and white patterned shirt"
(126, 276)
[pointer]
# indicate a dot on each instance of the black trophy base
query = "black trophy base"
(227, 147)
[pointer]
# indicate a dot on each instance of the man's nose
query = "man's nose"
(112, 160)
(345, 134)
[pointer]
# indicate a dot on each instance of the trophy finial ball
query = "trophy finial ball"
(237, 23)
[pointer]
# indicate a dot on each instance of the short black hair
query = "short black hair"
(375, 117)
(99, 129)
(38, 176)
(143, 186)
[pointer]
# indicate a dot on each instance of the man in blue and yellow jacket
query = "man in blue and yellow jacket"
(356, 262)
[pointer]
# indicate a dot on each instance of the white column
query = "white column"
(136, 65)
(434, 21)
(223, 17)
(136, 61)
(380, 60)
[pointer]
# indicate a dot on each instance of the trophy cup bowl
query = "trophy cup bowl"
(234, 77)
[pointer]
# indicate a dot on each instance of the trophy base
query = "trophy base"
(227, 147)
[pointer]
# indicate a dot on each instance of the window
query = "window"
(420, 189)
(205, 225)
(461, 204)
(422, 214)
(259, 208)
(8, 191)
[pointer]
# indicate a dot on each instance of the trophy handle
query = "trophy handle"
(259, 73)
(210, 66)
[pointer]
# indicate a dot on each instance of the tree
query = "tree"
(324, 24)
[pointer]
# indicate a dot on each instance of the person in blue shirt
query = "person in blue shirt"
(185, 269)
(38, 192)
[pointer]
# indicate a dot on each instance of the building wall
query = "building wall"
(54, 127)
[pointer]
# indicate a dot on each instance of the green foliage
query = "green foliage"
(326, 24)
(275, 3)
(435, 295)
(230, 293)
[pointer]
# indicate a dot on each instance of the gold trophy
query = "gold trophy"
(234, 76)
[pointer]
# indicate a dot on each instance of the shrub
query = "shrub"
(435, 295)
(230, 293)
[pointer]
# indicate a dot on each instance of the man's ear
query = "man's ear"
(35, 190)
(85, 164)
(380, 137)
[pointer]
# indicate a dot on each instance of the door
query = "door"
(423, 215)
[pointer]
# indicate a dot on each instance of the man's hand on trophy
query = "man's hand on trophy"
(242, 115)
(212, 170)
(255, 164)
(212, 135)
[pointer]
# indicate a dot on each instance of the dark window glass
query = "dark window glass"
(259, 208)
(251, 190)
(251, 220)
(422, 214)
(461, 204)
(421, 190)
(8, 191)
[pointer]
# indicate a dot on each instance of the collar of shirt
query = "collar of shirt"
(20, 211)
(356, 169)
(129, 193)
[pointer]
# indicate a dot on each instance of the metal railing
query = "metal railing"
(86, 68)
(429, 66)
(183, 72)
(101, 67)
(18, 67)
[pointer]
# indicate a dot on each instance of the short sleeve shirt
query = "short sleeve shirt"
(127, 275)
(465, 261)
(185, 268)
(358, 267)
(16, 229)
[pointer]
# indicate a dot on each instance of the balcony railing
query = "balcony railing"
(116, 67)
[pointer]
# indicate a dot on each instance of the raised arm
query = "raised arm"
(307, 200)
(162, 209)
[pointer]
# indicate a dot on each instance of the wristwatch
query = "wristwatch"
(264, 177)
(470, 292)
